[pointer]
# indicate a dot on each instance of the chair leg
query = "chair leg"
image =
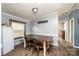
(29, 47)
(34, 50)
(38, 51)
(26, 48)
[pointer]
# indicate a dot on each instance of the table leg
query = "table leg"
(24, 44)
(44, 48)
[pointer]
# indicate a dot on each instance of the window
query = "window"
(18, 29)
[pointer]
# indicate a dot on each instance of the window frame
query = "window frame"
(10, 23)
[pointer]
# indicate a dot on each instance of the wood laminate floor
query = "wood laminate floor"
(61, 50)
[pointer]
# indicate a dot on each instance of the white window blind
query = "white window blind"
(18, 29)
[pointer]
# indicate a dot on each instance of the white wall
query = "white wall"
(28, 28)
(76, 27)
(49, 29)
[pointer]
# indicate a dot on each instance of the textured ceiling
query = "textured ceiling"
(24, 10)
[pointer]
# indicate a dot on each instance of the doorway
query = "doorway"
(62, 30)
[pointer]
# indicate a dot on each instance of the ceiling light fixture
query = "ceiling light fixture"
(35, 10)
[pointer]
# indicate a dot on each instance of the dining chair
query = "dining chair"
(30, 43)
(38, 47)
(27, 43)
(49, 48)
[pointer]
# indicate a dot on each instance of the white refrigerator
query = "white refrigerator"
(7, 39)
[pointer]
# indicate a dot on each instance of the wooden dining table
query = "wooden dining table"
(42, 39)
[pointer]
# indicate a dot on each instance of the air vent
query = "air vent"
(41, 22)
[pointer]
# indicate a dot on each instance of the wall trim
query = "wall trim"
(45, 34)
(27, 33)
(75, 46)
(14, 16)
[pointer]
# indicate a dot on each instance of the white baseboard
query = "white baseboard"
(75, 46)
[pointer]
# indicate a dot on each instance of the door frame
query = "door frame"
(63, 28)
(70, 32)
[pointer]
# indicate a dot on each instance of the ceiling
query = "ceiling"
(24, 10)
